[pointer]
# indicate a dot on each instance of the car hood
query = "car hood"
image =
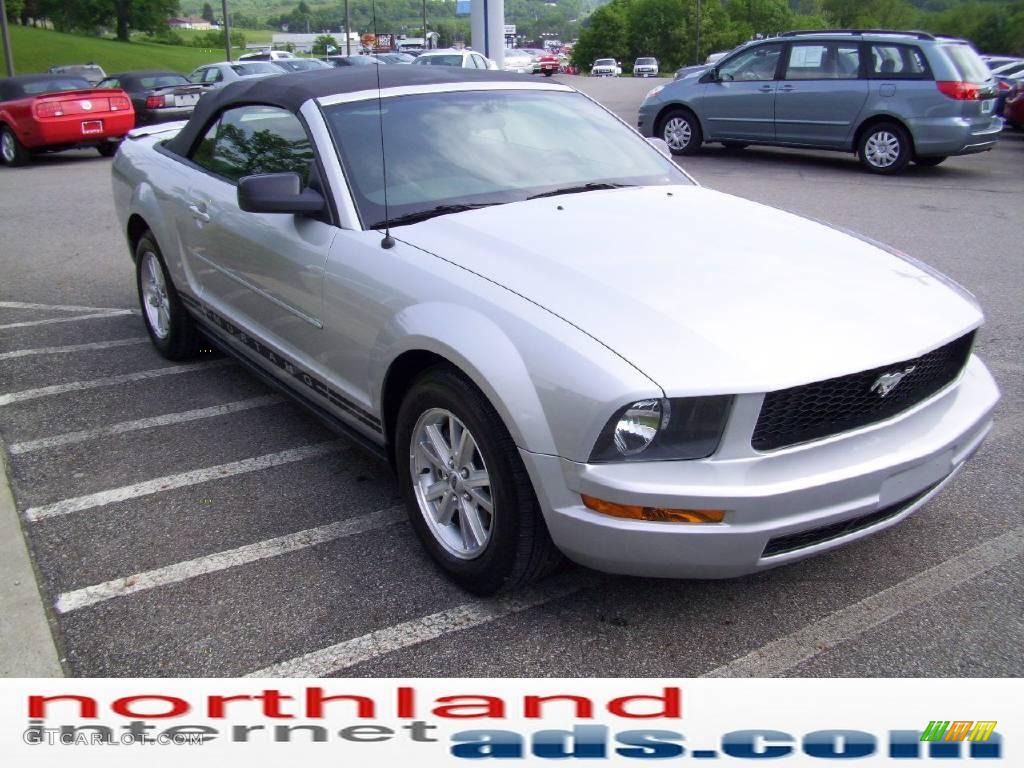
(705, 292)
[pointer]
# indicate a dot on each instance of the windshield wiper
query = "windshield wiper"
(429, 213)
(588, 187)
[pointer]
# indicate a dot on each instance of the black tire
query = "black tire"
(929, 162)
(670, 126)
(12, 152)
(181, 340)
(519, 549)
(735, 144)
(886, 134)
(548, 73)
(108, 148)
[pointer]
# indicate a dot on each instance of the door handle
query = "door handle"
(199, 212)
(786, 88)
(767, 88)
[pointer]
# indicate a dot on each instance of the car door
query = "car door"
(263, 271)
(823, 89)
(740, 102)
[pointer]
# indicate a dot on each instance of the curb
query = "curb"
(27, 648)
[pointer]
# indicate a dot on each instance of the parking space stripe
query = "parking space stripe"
(55, 307)
(170, 482)
(109, 381)
(409, 633)
(189, 569)
(75, 319)
(777, 658)
(166, 419)
(74, 348)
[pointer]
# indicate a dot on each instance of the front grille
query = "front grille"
(794, 541)
(813, 411)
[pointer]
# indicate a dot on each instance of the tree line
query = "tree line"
(668, 29)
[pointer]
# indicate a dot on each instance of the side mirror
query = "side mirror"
(660, 145)
(278, 193)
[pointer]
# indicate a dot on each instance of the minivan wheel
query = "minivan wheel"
(466, 491)
(171, 329)
(681, 131)
(929, 162)
(884, 148)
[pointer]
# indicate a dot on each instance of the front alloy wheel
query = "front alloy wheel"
(467, 492)
(453, 489)
(171, 328)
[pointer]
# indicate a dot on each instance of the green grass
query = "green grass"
(37, 49)
(250, 35)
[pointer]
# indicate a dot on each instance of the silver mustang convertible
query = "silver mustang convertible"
(560, 342)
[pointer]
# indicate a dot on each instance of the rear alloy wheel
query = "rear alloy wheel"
(466, 490)
(929, 162)
(12, 151)
(681, 132)
(170, 327)
(884, 148)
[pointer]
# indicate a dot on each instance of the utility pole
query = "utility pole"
(425, 25)
(227, 29)
(348, 32)
(698, 32)
(6, 34)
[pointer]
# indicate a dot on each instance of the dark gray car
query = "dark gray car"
(890, 97)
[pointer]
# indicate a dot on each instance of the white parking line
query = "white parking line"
(75, 319)
(189, 569)
(384, 641)
(166, 419)
(109, 381)
(169, 482)
(55, 307)
(780, 656)
(73, 348)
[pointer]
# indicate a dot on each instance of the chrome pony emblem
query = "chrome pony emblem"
(86, 105)
(887, 382)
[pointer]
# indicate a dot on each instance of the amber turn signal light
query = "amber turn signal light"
(655, 514)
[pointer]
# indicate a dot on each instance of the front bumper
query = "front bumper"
(829, 486)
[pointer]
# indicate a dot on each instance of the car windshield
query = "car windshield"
(604, 63)
(300, 65)
(476, 148)
(968, 63)
(160, 81)
(645, 61)
(255, 68)
(449, 60)
(54, 85)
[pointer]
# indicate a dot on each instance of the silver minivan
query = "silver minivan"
(890, 97)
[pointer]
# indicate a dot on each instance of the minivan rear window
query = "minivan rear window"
(967, 63)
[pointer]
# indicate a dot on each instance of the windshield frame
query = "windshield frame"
(365, 214)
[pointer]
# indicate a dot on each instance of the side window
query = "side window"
(213, 75)
(823, 61)
(110, 82)
(197, 76)
(757, 63)
(897, 61)
(480, 63)
(255, 139)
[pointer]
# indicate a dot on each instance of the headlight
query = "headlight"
(654, 92)
(663, 429)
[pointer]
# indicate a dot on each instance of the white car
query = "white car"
(220, 74)
(559, 340)
(518, 60)
(452, 57)
(267, 56)
(605, 68)
(646, 66)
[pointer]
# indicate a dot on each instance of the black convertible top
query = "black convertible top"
(13, 87)
(290, 91)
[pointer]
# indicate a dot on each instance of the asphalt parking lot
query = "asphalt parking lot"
(186, 521)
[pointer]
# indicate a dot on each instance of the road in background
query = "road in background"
(186, 521)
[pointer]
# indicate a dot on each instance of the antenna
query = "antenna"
(388, 241)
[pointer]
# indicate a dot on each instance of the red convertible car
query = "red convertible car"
(49, 113)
